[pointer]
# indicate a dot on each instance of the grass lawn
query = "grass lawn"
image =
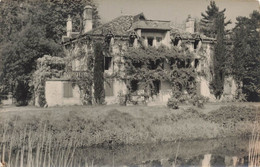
(112, 124)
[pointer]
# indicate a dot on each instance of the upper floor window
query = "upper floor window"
(132, 38)
(150, 41)
(158, 39)
(197, 42)
(108, 37)
(108, 62)
(176, 40)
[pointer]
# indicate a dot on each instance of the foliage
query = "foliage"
(122, 98)
(199, 101)
(173, 103)
(150, 64)
(219, 59)
(208, 21)
(47, 67)
(89, 126)
(84, 78)
(98, 77)
(213, 25)
(19, 60)
(246, 52)
(233, 113)
(30, 29)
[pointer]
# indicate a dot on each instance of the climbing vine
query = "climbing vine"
(48, 67)
(148, 64)
(79, 67)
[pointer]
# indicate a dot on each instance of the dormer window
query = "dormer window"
(150, 41)
(197, 43)
(132, 38)
(176, 40)
(158, 40)
(109, 37)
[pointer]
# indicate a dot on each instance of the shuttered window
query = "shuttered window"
(67, 90)
(109, 88)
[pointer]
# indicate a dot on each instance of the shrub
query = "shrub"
(173, 103)
(122, 98)
(199, 101)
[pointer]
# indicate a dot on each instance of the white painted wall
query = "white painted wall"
(54, 94)
(204, 88)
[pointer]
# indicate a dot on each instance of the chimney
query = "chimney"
(87, 19)
(69, 26)
(190, 24)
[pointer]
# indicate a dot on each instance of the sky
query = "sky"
(173, 10)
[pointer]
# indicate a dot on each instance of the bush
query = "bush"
(122, 98)
(173, 103)
(199, 101)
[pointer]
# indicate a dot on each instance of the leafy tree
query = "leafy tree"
(30, 29)
(207, 23)
(99, 92)
(246, 52)
(20, 57)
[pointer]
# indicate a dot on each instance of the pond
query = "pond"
(202, 153)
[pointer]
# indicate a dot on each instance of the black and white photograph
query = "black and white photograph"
(129, 83)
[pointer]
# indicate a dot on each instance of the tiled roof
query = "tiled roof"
(123, 25)
(119, 26)
(186, 35)
(152, 24)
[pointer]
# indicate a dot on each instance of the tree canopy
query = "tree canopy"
(30, 29)
(246, 51)
(208, 21)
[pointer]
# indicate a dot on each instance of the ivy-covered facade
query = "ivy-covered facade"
(145, 61)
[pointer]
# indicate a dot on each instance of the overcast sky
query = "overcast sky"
(173, 10)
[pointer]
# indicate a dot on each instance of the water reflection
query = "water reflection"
(209, 153)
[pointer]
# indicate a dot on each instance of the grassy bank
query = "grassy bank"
(108, 125)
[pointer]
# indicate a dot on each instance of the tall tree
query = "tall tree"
(219, 58)
(207, 23)
(246, 52)
(213, 25)
(29, 29)
(99, 92)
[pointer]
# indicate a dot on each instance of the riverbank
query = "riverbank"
(120, 125)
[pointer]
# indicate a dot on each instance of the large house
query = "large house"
(125, 32)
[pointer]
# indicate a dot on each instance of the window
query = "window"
(108, 37)
(150, 41)
(132, 40)
(176, 40)
(156, 88)
(109, 88)
(196, 44)
(158, 39)
(196, 63)
(67, 90)
(137, 64)
(154, 64)
(108, 62)
(134, 85)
